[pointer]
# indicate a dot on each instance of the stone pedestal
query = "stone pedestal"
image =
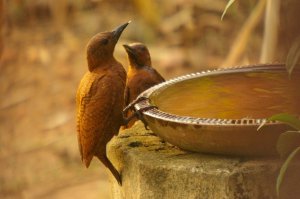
(154, 169)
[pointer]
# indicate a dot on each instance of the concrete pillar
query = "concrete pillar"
(154, 169)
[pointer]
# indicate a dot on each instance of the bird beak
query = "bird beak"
(118, 31)
(132, 55)
(129, 50)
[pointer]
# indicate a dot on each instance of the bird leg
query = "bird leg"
(131, 105)
(139, 115)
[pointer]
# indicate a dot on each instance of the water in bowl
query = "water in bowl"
(232, 96)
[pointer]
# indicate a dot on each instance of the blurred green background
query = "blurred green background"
(42, 49)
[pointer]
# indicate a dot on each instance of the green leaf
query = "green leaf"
(230, 2)
(287, 142)
(289, 119)
(284, 168)
(293, 56)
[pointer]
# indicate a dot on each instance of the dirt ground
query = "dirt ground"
(40, 69)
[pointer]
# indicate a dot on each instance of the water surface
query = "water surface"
(232, 96)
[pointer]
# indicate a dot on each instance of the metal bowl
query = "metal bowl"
(230, 136)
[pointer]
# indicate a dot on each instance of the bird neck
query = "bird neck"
(133, 68)
(104, 62)
(138, 62)
(133, 65)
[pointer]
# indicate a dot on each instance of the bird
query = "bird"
(140, 76)
(100, 99)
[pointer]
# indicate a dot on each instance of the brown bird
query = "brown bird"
(140, 75)
(100, 99)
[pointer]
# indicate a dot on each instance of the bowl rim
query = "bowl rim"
(158, 114)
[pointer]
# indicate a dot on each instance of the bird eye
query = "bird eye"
(104, 41)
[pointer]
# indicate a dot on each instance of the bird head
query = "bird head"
(138, 55)
(101, 46)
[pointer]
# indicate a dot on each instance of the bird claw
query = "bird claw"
(131, 105)
(139, 115)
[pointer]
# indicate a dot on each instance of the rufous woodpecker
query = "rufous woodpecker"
(100, 99)
(140, 76)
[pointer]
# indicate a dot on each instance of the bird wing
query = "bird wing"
(149, 77)
(95, 99)
(141, 81)
(158, 76)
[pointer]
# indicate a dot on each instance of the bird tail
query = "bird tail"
(87, 160)
(111, 167)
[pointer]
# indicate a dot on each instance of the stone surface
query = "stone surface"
(154, 169)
